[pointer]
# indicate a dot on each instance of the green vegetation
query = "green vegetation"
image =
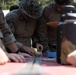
(7, 3)
(45, 2)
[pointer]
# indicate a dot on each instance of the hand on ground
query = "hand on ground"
(3, 57)
(16, 57)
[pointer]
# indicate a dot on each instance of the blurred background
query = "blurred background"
(7, 3)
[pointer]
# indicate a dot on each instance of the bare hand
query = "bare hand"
(28, 50)
(39, 47)
(24, 54)
(16, 58)
(3, 57)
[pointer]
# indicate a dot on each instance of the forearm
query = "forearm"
(19, 45)
(12, 46)
(9, 39)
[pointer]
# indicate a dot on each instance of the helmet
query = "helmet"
(70, 16)
(60, 2)
(32, 8)
(67, 9)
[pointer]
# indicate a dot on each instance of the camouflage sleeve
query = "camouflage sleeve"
(42, 30)
(8, 36)
(10, 19)
(18, 44)
(1, 36)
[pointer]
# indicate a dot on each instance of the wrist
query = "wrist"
(22, 47)
(17, 51)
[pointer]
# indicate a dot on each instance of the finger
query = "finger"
(23, 58)
(25, 54)
(33, 52)
(9, 60)
(2, 62)
(19, 58)
(14, 59)
(40, 48)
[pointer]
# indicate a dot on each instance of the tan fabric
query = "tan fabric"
(66, 48)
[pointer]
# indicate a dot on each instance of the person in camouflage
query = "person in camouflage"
(23, 22)
(7, 36)
(51, 13)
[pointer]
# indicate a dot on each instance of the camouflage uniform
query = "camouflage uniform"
(4, 30)
(23, 26)
(49, 15)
